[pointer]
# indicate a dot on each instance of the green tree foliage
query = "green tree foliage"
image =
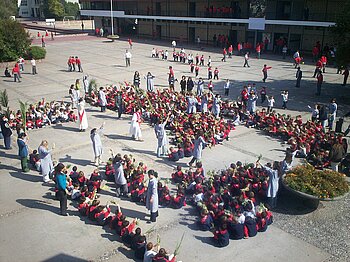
(14, 40)
(53, 9)
(71, 9)
(341, 33)
(8, 8)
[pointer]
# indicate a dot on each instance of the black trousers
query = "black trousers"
(62, 197)
(154, 216)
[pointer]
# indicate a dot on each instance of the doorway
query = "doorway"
(158, 31)
(192, 9)
(191, 34)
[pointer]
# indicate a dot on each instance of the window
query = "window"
(24, 3)
(24, 12)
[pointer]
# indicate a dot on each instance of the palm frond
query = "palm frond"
(23, 107)
(4, 99)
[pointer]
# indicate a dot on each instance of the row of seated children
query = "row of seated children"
(117, 222)
(227, 201)
(43, 114)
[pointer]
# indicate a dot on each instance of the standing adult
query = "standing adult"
(74, 96)
(119, 177)
(332, 114)
(336, 154)
(33, 63)
(246, 59)
(127, 58)
(319, 83)
(284, 51)
(199, 144)
(61, 183)
(136, 80)
(227, 87)
(46, 164)
(200, 86)
(189, 84)
(119, 103)
(191, 104)
(152, 195)
(86, 83)
(21, 63)
(6, 132)
(273, 183)
(83, 122)
(216, 105)
(173, 45)
(162, 138)
(150, 82)
(135, 130)
(102, 99)
(252, 102)
(95, 136)
(23, 151)
(298, 76)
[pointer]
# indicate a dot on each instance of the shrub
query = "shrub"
(319, 183)
(14, 40)
(36, 52)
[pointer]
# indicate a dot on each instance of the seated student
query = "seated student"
(81, 179)
(83, 206)
(7, 72)
(236, 229)
(126, 231)
(138, 192)
(92, 209)
(188, 149)
(74, 175)
(149, 253)
(205, 222)
(95, 180)
(221, 236)
(178, 176)
(116, 218)
(180, 151)
(75, 194)
(262, 221)
(250, 227)
(173, 155)
(109, 170)
(162, 256)
(34, 160)
(179, 200)
(102, 217)
(164, 195)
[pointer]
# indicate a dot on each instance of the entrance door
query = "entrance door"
(191, 34)
(192, 9)
(233, 37)
(294, 42)
(158, 8)
(158, 31)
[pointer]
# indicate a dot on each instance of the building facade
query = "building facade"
(300, 23)
(29, 8)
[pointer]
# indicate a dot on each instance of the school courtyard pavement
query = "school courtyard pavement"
(32, 230)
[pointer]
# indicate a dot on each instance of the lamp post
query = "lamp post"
(112, 17)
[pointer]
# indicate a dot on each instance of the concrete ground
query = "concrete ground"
(32, 230)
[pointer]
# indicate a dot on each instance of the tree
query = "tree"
(71, 9)
(14, 40)
(53, 9)
(341, 33)
(8, 8)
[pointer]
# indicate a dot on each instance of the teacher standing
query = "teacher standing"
(45, 160)
(97, 143)
(61, 182)
(152, 195)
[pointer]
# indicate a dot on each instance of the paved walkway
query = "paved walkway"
(30, 228)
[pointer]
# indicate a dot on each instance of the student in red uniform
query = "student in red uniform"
(216, 73)
(196, 70)
(224, 53)
(324, 63)
(264, 71)
(221, 236)
(258, 50)
(130, 43)
(162, 256)
(210, 73)
(78, 62)
(15, 73)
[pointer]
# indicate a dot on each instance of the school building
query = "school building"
(301, 23)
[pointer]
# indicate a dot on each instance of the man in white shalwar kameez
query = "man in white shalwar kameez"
(162, 138)
(135, 130)
(97, 144)
(191, 104)
(83, 123)
(273, 183)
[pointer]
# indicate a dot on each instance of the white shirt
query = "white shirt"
(149, 254)
(128, 55)
(285, 97)
(246, 57)
(33, 62)
(173, 43)
(270, 102)
(227, 85)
